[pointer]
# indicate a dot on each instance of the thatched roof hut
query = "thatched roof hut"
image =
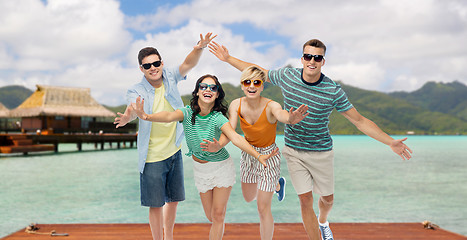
(61, 101)
(3, 111)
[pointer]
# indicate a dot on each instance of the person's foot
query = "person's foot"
(281, 192)
(326, 233)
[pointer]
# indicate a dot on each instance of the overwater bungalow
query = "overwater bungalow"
(53, 109)
(3, 111)
(4, 114)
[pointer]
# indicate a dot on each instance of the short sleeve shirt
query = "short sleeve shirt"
(205, 127)
(312, 133)
(170, 78)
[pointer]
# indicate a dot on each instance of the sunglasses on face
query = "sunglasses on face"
(204, 86)
(148, 65)
(257, 83)
(308, 57)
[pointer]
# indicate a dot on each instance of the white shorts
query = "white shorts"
(252, 171)
(310, 171)
(214, 174)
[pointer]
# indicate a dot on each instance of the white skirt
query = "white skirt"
(214, 174)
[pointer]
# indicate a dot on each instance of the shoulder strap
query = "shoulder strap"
(239, 107)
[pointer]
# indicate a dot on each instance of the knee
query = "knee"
(264, 209)
(249, 199)
(218, 215)
(327, 200)
(306, 200)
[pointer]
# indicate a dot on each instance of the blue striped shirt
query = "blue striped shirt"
(312, 133)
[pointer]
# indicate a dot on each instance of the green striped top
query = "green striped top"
(206, 127)
(312, 133)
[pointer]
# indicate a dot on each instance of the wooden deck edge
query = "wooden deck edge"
(342, 231)
(26, 148)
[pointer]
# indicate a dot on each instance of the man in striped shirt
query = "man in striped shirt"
(308, 144)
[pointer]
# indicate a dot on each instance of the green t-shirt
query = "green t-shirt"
(206, 127)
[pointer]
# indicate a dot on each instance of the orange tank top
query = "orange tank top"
(262, 133)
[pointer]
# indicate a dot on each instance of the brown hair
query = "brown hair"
(315, 43)
(147, 51)
(219, 103)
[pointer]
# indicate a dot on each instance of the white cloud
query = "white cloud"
(393, 35)
(62, 32)
(365, 75)
(64, 43)
(108, 80)
(379, 45)
(175, 45)
(5, 59)
(404, 83)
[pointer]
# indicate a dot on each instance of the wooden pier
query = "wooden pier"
(20, 143)
(236, 231)
(24, 143)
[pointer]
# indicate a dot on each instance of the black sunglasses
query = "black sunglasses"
(308, 57)
(204, 86)
(148, 65)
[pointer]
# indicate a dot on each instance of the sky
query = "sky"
(380, 45)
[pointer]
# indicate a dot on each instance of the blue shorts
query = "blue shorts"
(162, 182)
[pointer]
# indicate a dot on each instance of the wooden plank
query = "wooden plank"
(282, 231)
(17, 136)
(26, 148)
(24, 143)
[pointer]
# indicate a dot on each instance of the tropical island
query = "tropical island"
(434, 109)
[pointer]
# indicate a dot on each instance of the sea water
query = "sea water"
(372, 184)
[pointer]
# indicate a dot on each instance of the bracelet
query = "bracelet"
(201, 47)
(259, 156)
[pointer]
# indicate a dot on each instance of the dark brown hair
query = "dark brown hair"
(315, 43)
(219, 103)
(147, 51)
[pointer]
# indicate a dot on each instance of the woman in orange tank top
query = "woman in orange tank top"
(258, 120)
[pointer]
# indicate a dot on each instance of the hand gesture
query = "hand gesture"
(122, 119)
(401, 149)
(204, 40)
(139, 108)
(263, 158)
(298, 115)
(209, 146)
(219, 51)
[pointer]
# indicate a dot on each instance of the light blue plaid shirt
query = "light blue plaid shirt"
(170, 78)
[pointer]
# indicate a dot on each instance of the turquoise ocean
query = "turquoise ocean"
(372, 185)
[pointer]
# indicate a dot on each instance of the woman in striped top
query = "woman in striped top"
(214, 172)
(258, 118)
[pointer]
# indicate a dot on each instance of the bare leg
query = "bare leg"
(310, 222)
(156, 222)
(218, 202)
(249, 191)
(170, 212)
(265, 214)
(206, 200)
(325, 205)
